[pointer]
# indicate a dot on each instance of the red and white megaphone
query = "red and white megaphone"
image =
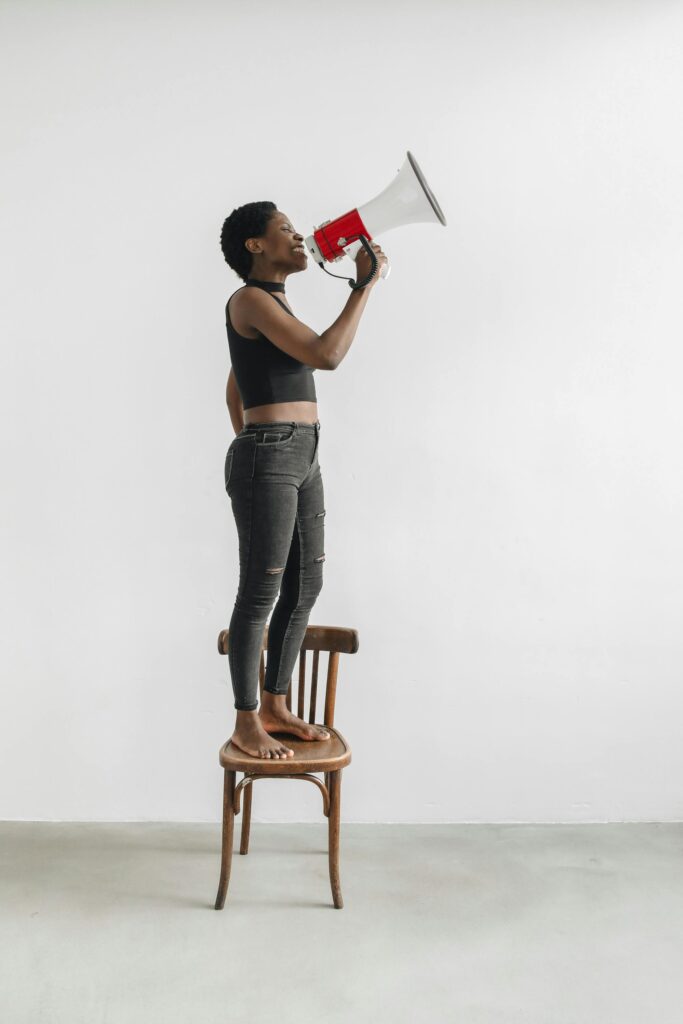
(407, 200)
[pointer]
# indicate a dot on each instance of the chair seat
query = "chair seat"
(309, 755)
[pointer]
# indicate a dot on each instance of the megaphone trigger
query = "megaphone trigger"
(352, 250)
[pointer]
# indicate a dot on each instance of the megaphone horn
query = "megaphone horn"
(407, 200)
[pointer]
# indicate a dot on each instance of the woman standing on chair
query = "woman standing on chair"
(272, 474)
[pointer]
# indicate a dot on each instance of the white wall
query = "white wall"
(501, 448)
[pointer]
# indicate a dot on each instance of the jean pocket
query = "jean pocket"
(274, 438)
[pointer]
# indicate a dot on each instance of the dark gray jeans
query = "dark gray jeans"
(273, 479)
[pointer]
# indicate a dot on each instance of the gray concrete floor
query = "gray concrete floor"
(479, 924)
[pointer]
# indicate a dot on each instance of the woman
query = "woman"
(272, 474)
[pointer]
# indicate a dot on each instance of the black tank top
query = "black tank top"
(264, 373)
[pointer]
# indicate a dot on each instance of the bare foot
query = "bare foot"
(276, 717)
(251, 737)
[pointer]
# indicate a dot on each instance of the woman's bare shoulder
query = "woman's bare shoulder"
(239, 305)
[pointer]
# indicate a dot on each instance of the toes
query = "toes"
(316, 734)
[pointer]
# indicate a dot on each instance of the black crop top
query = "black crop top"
(264, 373)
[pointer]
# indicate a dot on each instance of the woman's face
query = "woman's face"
(281, 248)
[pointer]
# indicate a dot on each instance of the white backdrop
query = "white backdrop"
(501, 447)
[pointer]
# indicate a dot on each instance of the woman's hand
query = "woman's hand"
(364, 264)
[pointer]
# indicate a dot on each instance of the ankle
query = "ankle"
(273, 700)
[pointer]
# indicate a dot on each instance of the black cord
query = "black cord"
(357, 285)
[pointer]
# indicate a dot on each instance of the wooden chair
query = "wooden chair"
(328, 756)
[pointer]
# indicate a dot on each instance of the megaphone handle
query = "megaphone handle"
(352, 249)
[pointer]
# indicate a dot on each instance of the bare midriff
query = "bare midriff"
(301, 412)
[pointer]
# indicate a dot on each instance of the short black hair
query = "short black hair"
(248, 221)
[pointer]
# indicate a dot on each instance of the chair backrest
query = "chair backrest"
(335, 640)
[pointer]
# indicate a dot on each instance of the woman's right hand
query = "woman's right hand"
(364, 264)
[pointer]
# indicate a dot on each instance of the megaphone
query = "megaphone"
(407, 200)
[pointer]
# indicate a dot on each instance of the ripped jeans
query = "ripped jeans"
(273, 480)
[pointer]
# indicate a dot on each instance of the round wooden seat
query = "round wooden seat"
(309, 755)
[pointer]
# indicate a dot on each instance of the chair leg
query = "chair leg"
(333, 833)
(228, 824)
(246, 818)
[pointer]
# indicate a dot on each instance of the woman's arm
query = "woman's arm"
(234, 401)
(321, 351)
